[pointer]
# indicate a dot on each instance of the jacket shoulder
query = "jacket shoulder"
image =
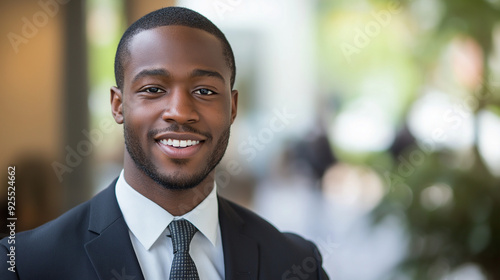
(60, 241)
(62, 228)
(71, 226)
(291, 255)
(258, 228)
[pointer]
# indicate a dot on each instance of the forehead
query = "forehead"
(175, 48)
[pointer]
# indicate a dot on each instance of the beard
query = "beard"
(174, 181)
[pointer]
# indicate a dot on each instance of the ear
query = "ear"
(234, 104)
(117, 104)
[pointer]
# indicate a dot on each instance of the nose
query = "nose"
(180, 107)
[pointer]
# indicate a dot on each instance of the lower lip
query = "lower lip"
(174, 152)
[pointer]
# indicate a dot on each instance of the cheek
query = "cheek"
(219, 119)
(226, 111)
(137, 123)
(142, 114)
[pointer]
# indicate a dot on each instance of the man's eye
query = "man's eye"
(204, 91)
(153, 90)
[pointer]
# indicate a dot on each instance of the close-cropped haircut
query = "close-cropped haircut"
(165, 17)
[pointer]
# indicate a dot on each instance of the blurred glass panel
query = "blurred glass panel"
(105, 25)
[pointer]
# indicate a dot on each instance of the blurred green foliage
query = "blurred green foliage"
(466, 230)
(462, 225)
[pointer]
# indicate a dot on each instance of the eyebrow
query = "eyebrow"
(207, 73)
(162, 72)
(151, 72)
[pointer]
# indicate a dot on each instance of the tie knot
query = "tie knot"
(182, 231)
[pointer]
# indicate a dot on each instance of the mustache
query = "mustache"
(178, 128)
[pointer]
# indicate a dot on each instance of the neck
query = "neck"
(176, 202)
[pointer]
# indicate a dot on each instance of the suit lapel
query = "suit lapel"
(241, 253)
(113, 256)
(111, 251)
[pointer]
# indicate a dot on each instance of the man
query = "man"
(162, 218)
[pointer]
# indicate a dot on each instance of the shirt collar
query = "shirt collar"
(148, 221)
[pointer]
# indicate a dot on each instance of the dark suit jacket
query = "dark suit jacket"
(91, 241)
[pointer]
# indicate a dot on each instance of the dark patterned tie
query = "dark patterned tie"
(183, 267)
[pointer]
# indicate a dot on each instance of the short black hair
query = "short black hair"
(170, 16)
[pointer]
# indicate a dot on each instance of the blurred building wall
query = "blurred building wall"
(138, 8)
(30, 69)
(31, 91)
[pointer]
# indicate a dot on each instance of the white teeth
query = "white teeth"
(179, 143)
(176, 143)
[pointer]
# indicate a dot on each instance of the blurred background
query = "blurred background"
(371, 127)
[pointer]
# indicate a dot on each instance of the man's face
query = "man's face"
(176, 105)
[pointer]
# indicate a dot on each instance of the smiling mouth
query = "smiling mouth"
(176, 143)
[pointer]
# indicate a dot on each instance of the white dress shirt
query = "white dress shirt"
(147, 223)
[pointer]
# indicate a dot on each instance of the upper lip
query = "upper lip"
(179, 136)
